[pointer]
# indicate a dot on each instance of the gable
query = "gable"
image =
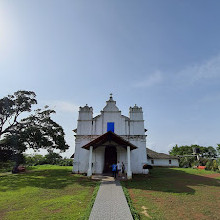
(108, 137)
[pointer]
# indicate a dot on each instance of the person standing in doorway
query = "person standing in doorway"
(118, 168)
(114, 169)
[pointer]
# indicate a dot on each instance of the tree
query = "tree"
(53, 158)
(36, 131)
(218, 149)
(188, 157)
(33, 160)
(12, 106)
(210, 152)
(182, 150)
(188, 150)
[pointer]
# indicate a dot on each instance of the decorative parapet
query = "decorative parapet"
(85, 113)
(135, 109)
(86, 108)
(135, 113)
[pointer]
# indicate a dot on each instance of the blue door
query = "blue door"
(110, 126)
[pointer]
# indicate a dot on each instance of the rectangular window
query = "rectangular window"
(152, 161)
(110, 126)
(169, 161)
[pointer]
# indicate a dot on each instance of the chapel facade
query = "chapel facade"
(109, 137)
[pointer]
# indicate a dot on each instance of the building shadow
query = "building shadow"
(48, 179)
(171, 180)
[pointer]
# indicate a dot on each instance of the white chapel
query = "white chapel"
(109, 137)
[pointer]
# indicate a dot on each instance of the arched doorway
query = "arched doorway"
(110, 158)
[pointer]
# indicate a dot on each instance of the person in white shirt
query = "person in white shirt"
(118, 168)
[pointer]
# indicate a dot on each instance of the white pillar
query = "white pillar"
(89, 172)
(129, 173)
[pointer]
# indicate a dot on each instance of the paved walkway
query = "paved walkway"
(110, 203)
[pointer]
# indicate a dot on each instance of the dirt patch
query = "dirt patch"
(56, 210)
(2, 213)
(213, 175)
(132, 195)
(52, 211)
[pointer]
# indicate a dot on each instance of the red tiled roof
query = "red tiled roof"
(109, 136)
(154, 155)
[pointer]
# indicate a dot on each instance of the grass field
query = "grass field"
(46, 192)
(176, 193)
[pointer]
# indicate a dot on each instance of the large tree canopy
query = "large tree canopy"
(218, 149)
(12, 106)
(35, 131)
(188, 150)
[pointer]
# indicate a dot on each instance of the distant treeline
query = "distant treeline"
(33, 160)
(207, 156)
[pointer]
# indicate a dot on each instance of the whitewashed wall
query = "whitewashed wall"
(164, 162)
(98, 160)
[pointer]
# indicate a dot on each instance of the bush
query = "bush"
(212, 165)
(53, 158)
(187, 161)
(209, 165)
(195, 163)
(6, 166)
(203, 161)
(35, 160)
(66, 162)
(218, 163)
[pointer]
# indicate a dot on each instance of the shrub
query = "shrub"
(53, 158)
(208, 165)
(6, 166)
(34, 160)
(66, 162)
(203, 161)
(218, 163)
(214, 165)
(186, 161)
(195, 163)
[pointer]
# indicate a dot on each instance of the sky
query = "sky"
(161, 55)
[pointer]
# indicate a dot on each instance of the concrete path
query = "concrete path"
(110, 203)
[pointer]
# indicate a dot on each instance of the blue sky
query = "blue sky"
(161, 55)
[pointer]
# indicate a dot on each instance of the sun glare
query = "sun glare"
(8, 32)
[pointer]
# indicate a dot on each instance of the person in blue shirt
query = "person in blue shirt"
(114, 169)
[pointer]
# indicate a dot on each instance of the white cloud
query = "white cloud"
(62, 106)
(209, 69)
(150, 81)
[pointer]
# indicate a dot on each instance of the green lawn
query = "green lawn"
(46, 192)
(176, 193)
